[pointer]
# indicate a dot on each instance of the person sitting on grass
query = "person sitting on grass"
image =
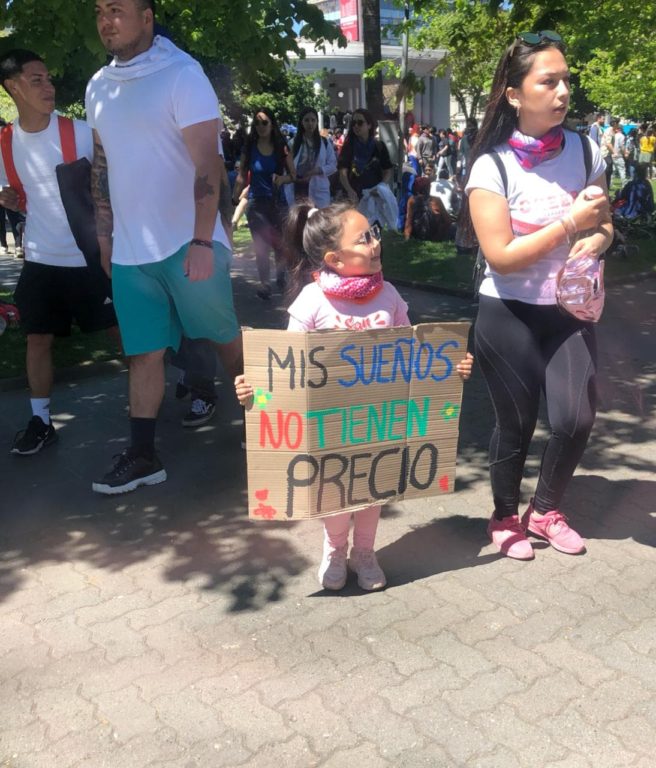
(636, 198)
(426, 217)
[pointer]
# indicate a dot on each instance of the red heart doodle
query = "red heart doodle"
(444, 483)
(262, 495)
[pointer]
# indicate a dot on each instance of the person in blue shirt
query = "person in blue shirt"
(265, 166)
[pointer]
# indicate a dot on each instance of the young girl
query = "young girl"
(338, 261)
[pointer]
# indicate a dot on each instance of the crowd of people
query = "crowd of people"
(160, 269)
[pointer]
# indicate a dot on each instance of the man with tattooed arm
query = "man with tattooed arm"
(155, 179)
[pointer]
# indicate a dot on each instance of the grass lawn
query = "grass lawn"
(77, 349)
(435, 264)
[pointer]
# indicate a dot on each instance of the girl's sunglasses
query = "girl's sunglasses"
(368, 237)
(261, 122)
(359, 122)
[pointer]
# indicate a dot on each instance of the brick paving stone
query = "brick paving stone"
(405, 656)
(592, 741)
(462, 740)
(636, 734)
(365, 756)
(126, 713)
(321, 727)
(620, 656)
(586, 667)
(263, 725)
(548, 695)
(422, 688)
(356, 687)
(429, 622)
(483, 693)
(430, 756)
(18, 741)
(467, 662)
(502, 758)
(520, 735)
(294, 753)
(64, 636)
(296, 683)
(162, 611)
(525, 665)
(187, 717)
(63, 712)
(118, 639)
(571, 761)
(394, 734)
(614, 699)
(113, 606)
(15, 633)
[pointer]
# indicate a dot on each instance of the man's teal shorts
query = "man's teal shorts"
(156, 304)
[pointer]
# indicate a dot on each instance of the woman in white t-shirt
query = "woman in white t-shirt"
(527, 227)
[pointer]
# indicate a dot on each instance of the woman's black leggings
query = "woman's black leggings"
(523, 349)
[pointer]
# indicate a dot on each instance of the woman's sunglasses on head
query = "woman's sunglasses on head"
(536, 38)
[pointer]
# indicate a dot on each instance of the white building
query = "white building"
(345, 66)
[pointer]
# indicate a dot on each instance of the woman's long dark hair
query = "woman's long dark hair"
(309, 238)
(279, 144)
(373, 124)
(500, 118)
(300, 131)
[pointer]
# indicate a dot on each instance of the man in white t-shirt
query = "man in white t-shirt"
(55, 287)
(156, 123)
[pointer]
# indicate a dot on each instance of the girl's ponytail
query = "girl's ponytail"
(309, 234)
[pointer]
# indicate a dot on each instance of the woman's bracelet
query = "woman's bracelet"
(569, 225)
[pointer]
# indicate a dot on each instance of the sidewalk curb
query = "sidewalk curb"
(72, 373)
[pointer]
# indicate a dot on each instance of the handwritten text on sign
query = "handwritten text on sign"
(344, 419)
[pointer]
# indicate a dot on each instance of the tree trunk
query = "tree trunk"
(371, 37)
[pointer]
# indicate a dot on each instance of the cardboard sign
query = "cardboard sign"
(342, 420)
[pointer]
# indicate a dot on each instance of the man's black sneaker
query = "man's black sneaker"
(181, 391)
(37, 436)
(201, 412)
(129, 472)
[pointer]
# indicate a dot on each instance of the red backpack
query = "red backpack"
(67, 138)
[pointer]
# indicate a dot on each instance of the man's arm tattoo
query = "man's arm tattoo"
(203, 188)
(100, 192)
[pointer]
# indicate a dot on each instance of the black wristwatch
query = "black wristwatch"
(202, 243)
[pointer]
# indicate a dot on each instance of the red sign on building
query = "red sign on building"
(348, 19)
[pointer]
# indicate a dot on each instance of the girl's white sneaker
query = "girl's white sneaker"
(332, 571)
(363, 562)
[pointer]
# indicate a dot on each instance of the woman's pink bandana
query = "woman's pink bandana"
(531, 152)
(360, 288)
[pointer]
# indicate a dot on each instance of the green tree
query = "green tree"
(285, 94)
(474, 39)
(252, 36)
(610, 48)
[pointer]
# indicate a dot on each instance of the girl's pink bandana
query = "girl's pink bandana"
(531, 152)
(361, 288)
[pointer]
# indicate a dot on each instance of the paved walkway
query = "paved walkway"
(164, 629)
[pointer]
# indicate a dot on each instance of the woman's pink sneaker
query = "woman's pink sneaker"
(509, 537)
(553, 527)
